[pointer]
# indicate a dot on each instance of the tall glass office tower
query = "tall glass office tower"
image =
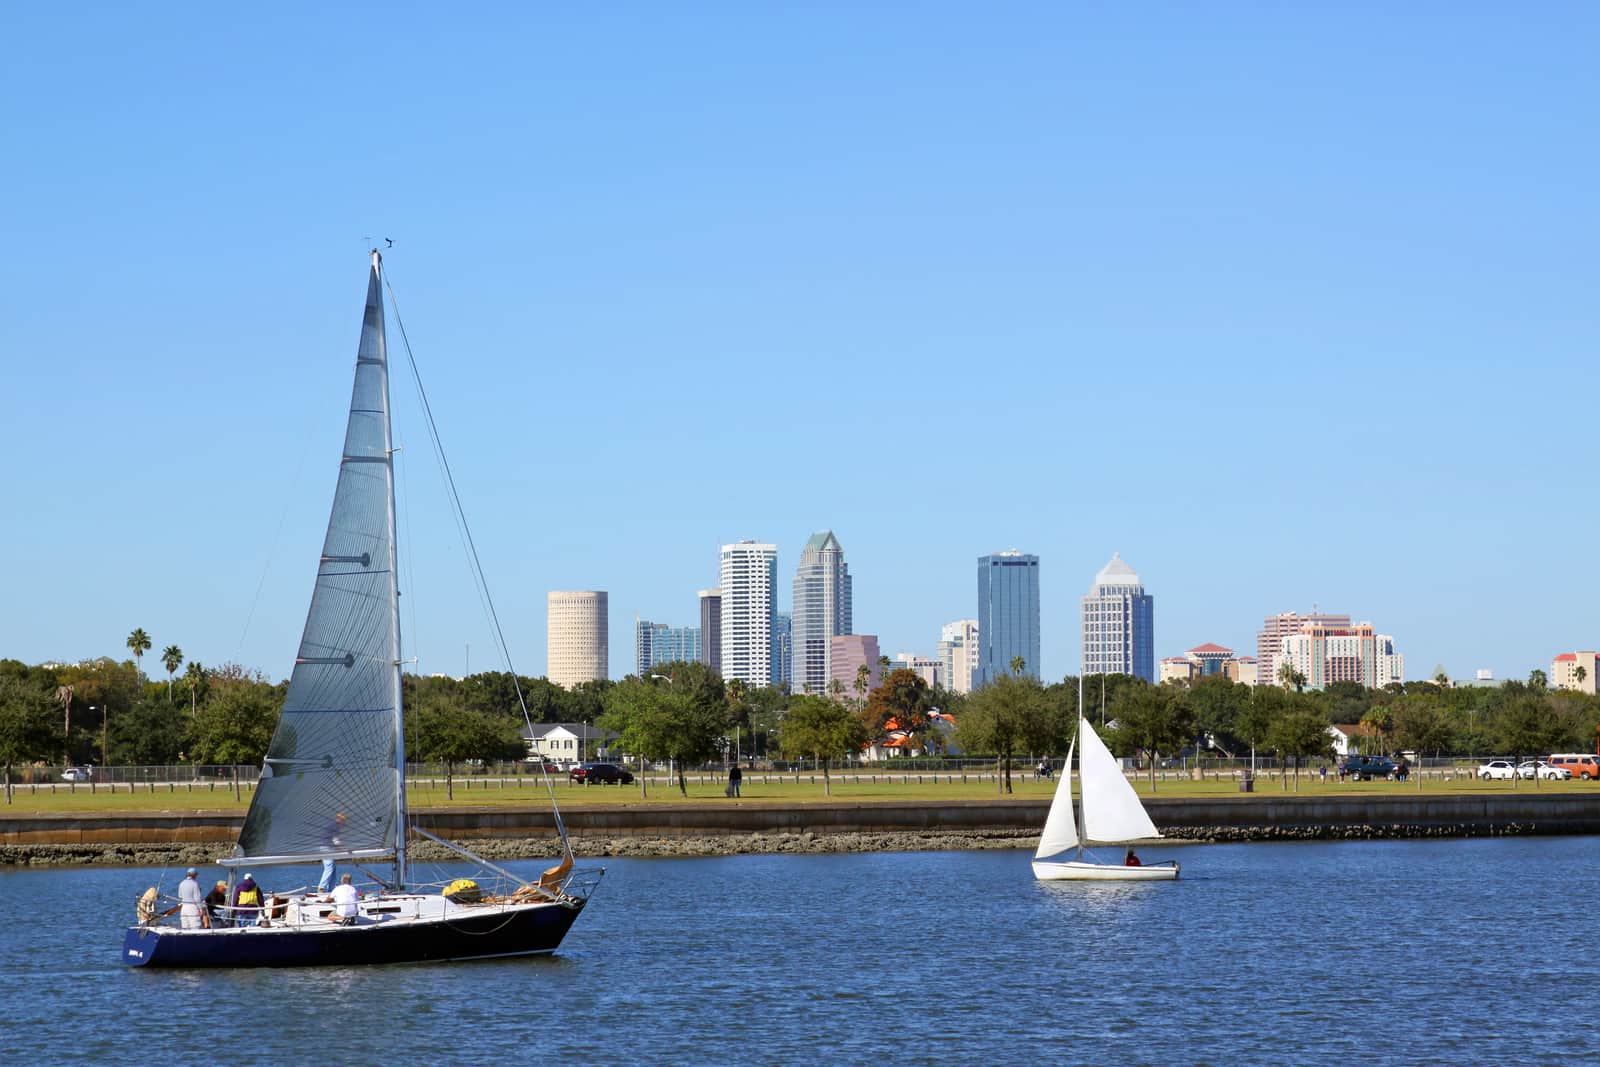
(1008, 615)
(821, 610)
(1119, 624)
(782, 650)
(656, 643)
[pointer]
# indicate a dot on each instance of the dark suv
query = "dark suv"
(1365, 767)
(600, 772)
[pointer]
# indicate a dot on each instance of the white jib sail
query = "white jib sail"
(1060, 828)
(1111, 809)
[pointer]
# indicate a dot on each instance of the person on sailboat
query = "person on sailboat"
(246, 902)
(190, 901)
(217, 904)
(1133, 859)
(345, 896)
(333, 839)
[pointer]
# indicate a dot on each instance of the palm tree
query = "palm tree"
(863, 678)
(1580, 674)
(139, 641)
(64, 695)
(1018, 665)
(195, 675)
(1291, 678)
(171, 658)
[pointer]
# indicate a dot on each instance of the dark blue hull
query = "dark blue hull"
(490, 933)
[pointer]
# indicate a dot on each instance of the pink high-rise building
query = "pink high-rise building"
(1324, 655)
(1276, 628)
(847, 655)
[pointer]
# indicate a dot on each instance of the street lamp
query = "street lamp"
(642, 793)
(105, 720)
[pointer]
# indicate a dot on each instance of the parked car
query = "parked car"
(1368, 767)
(1585, 765)
(1497, 768)
(1529, 768)
(77, 774)
(548, 767)
(600, 772)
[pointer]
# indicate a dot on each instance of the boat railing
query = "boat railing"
(581, 883)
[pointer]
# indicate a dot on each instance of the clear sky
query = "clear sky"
(1291, 305)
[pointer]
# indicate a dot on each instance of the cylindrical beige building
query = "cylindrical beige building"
(577, 648)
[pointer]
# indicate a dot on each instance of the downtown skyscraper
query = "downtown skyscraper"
(1008, 615)
(577, 638)
(656, 643)
(1119, 624)
(821, 610)
(958, 654)
(749, 590)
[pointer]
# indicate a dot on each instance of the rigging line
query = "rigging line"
(306, 437)
(457, 513)
(410, 566)
(455, 496)
(411, 562)
(472, 549)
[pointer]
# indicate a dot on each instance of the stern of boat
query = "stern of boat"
(139, 945)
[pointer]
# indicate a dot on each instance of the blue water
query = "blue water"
(1460, 951)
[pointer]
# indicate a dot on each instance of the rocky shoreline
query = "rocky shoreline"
(643, 846)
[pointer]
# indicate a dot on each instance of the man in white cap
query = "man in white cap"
(190, 901)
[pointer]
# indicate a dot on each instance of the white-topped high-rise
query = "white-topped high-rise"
(1119, 624)
(749, 572)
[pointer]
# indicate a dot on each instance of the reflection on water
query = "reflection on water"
(1258, 953)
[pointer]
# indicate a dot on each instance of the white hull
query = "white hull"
(1076, 871)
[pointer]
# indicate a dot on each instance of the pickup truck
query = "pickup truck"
(1365, 767)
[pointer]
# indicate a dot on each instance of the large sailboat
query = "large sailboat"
(333, 786)
(1109, 812)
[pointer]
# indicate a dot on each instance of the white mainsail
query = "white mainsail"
(1060, 827)
(331, 783)
(1112, 812)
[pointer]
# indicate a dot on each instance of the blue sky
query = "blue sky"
(1290, 307)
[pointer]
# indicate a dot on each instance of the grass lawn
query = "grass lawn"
(758, 788)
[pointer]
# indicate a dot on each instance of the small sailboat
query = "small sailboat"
(333, 786)
(1109, 813)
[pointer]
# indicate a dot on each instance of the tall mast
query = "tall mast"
(1083, 822)
(402, 822)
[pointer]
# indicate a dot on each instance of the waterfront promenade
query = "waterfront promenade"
(614, 820)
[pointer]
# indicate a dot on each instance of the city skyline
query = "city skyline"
(924, 241)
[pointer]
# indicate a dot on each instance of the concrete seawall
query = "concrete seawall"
(1227, 818)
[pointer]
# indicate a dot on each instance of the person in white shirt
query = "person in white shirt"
(345, 896)
(191, 901)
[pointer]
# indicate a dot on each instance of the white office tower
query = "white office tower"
(1119, 624)
(821, 610)
(749, 571)
(576, 645)
(958, 654)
